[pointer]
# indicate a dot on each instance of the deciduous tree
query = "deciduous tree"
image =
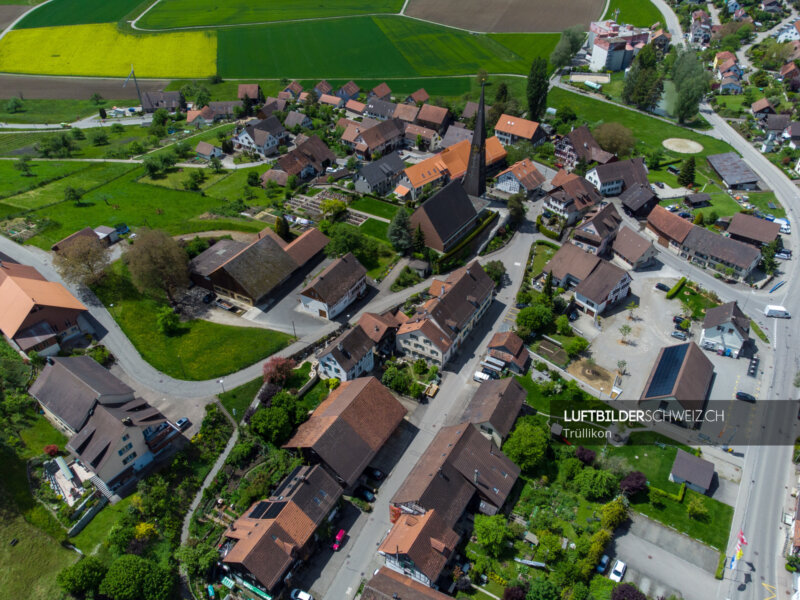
(615, 138)
(626, 591)
(496, 270)
(492, 533)
(633, 483)
(83, 577)
(527, 445)
(83, 261)
(278, 369)
(516, 209)
(157, 262)
(23, 165)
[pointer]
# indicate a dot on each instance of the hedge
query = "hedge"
(676, 288)
(545, 231)
(720, 573)
(552, 245)
(677, 497)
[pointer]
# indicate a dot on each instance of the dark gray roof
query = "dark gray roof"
(380, 108)
(600, 282)
(448, 210)
(636, 196)
(497, 402)
(471, 109)
(753, 228)
(630, 171)
(379, 171)
(727, 313)
(721, 248)
(682, 372)
(454, 135)
(732, 169)
(68, 387)
(777, 122)
(349, 348)
(260, 267)
(155, 100)
(698, 199)
(693, 469)
(337, 279)
(382, 133)
(294, 118)
(210, 260)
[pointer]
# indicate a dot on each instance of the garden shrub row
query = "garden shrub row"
(677, 497)
(676, 288)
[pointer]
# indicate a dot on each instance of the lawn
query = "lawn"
(17, 144)
(103, 50)
(204, 135)
(176, 177)
(201, 350)
(187, 13)
(90, 540)
(12, 181)
(641, 13)
(375, 207)
(695, 303)
(541, 254)
(376, 229)
(230, 186)
(239, 398)
(55, 111)
(78, 12)
(313, 397)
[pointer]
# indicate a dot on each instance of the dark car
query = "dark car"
(521, 305)
(662, 286)
(659, 185)
(745, 396)
(679, 326)
(573, 316)
(375, 474)
(365, 494)
(685, 215)
(678, 319)
(490, 373)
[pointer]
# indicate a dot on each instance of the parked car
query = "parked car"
(182, 423)
(375, 474)
(365, 494)
(521, 305)
(573, 316)
(745, 397)
(662, 286)
(678, 319)
(618, 572)
(685, 215)
(209, 297)
(491, 374)
(300, 595)
(602, 566)
(679, 335)
(783, 256)
(659, 185)
(338, 540)
(679, 326)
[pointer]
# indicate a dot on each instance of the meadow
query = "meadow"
(641, 13)
(192, 13)
(12, 181)
(55, 111)
(103, 50)
(78, 12)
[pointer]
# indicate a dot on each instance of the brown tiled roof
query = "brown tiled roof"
(762, 104)
(430, 113)
(526, 173)
(376, 326)
(420, 96)
(562, 177)
(349, 347)
(387, 584)
(335, 281)
(249, 90)
(382, 133)
(258, 268)
(753, 228)
(406, 112)
(350, 88)
(323, 87)
(586, 147)
(571, 260)
(330, 100)
(204, 148)
(630, 245)
(601, 281)
(508, 346)
(355, 106)
(576, 190)
(382, 90)
(427, 540)
(693, 469)
(294, 87)
(668, 224)
(497, 402)
(682, 372)
(312, 151)
(294, 118)
(601, 225)
(727, 313)
(412, 131)
(350, 426)
(517, 126)
(279, 177)
(85, 232)
(307, 245)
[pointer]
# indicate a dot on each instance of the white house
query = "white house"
(612, 178)
(349, 356)
(521, 176)
(725, 327)
(335, 288)
(605, 286)
(262, 137)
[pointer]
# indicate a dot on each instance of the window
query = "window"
(125, 448)
(126, 437)
(129, 458)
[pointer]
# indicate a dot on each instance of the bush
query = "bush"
(676, 288)
(720, 572)
(545, 231)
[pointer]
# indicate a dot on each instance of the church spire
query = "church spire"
(475, 179)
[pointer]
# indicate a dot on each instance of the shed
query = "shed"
(695, 472)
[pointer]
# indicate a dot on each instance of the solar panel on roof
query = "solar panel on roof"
(259, 510)
(667, 371)
(274, 510)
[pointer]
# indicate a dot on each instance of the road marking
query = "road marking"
(771, 590)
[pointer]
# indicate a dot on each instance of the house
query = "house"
(605, 286)
(471, 109)
(612, 178)
(454, 134)
(762, 108)
(107, 235)
(700, 29)
(113, 434)
(698, 200)
(668, 228)
(579, 144)
(418, 97)
(348, 357)
(271, 105)
(729, 68)
(263, 137)
(792, 133)
(522, 176)
(632, 250)
(660, 40)
(741, 15)
(380, 139)
(420, 546)
(733, 6)
(277, 533)
(721, 253)
(679, 380)
(598, 230)
(86, 232)
(731, 85)
(294, 89)
(309, 159)
(789, 71)
(510, 130)
(639, 199)
(355, 108)
(322, 88)
(379, 109)
(381, 92)
(250, 91)
(571, 198)
(382, 328)
(446, 217)
(508, 347)
(387, 583)
(697, 473)
(336, 288)
(438, 329)
(752, 230)
(331, 100)
(278, 177)
(306, 247)
(353, 129)
(39, 315)
(433, 117)
(208, 151)
(347, 430)
(771, 6)
(725, 327)
(733, 171)
(170, 101)
(722, 57)
(406, 112)
(611, 54)
(381, 176)
(421, 137)
(295, 118)
(495, 406)
(349, 91)
(776, 124)
(457, 465)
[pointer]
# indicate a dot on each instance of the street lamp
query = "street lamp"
(221, 382)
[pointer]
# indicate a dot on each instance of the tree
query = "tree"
(14, 105)
(23, 165)
(160, 117)
(625, 331)
(547, 289)
(333, 209)
(399, 231)
(73, 195)
(418, 243)
(575, 346)
(691, 83)
(633, 483)
(51, 450)
(626, 591)
(615, 138)
(516, 210)
(278, 369)
(83, 261)
(492, 533)
(83, 577)
(562, 325)
(643, 83)
(496, 270)
(282, 227)
(543, 589)
(527, 445)
(132, 577)
(157, 262)
(768, 261)
(585, 455)
(96, 99)
(698, 219)
(621, 364)
(167, 321)
(538, 86)
(102, 112)
(561, 55)
(272, 424)
(197, 557)
(696, 509)
(99, 138)
(216, 164)
(655, 158)
(631, 308)
(686, 175)
(613, 514)
(501, 94)
(253, 179)
(575, 36)
(596, 484)
(194, 180)
(514, 593)
(535, 318)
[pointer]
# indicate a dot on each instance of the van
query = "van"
(778, 312)
(480, 377)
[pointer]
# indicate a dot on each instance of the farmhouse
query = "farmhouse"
(680, 379)
(322, 88)
(433, 117)
(331, 100)
(733, 171)
(38, 315)
(336, 288)
(381, 176)
(294, 119)
(697, 473)
(579, 144)
(456, 133)
(381, 92)
(510, 130)
(420, 137)
(632, 250)
(262, 137)
(572, 197)
(86, 232)
(639, 199)
(270, 106)
(725, 327)
(406, 112)
(349, 356)
(520, 177)
(471, 109)
(418, 97)
(308, 159)
(508, 347)
(596, 233)
(355, 108)
(250, 91)
(382, 138)
(669, 229)
(612, 178)
(348, 429)
(349, 91)
(294, 88)
(170, 101)
(721, 253)
(752, 230)
(495, 406)
(382, 328)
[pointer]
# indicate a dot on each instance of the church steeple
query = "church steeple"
(475, 179)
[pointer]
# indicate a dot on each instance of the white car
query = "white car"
(301, 595)
(618, 572)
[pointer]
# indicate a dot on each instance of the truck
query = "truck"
(778, 312)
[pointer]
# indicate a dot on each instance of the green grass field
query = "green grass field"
(374, 207)
(17, 144)
(13, 182)
(375, 228)
(55, 111)
(175, 178)
(641, 13)
(78, 12)
(191, 13)
(90, 540)
(231, 185)
(239, 398)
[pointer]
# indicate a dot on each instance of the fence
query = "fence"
(87, 517)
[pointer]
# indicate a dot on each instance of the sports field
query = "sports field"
(102, 50)
(168, 14)
(78, 12)
(372, 47)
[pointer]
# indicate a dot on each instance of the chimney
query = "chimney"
(475, 477)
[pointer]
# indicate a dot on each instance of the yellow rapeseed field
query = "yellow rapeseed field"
(104, 50)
